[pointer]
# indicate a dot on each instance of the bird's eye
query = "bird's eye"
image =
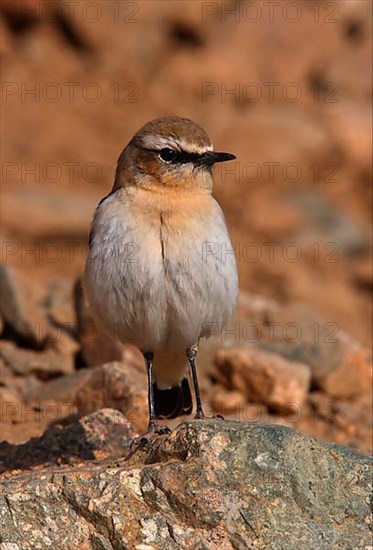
(167, 155)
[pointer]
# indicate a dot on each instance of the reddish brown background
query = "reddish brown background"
(100, 72)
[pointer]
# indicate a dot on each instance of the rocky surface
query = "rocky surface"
(297, 352)
(98, 435)
(209, 484)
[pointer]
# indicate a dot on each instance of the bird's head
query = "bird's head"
(169, 152)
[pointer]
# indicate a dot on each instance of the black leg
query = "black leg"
(153, 428)
(191, 354)
(149, 366)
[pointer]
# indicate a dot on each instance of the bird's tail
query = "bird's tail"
(173, 402)
(172, 395)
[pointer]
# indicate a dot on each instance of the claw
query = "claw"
(145, 439)
(200, 415)
(139, 443)
(161, 430)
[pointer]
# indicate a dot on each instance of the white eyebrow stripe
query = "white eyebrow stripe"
(193, 148)
(152, 141)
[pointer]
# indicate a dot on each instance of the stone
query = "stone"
(22, 305)
(225, 402)
(10, 405)
(118, 385)
(23, 386)
(345, 422)
(264, 377)
(351, 376)
(98, 435)
(61, 388)
(209, 484)
(339, 364)
(61, 313)
(324, 223)
(363, 275)
(350, 130)
(39, 316)
(44, 364)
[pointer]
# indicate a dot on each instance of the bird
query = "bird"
(157, 273)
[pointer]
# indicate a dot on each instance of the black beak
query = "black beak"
(211, 157)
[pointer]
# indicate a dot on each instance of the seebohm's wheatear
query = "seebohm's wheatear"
(149, 277)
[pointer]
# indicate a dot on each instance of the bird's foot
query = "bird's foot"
(200, 415)
(145, 439)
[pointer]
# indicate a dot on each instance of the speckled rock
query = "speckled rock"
(211, 484)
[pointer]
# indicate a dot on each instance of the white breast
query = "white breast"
(156, 284)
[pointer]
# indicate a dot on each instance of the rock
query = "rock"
(339, 365)
(350, 130)
(62, 316)
(103, 433)
(62, 388)
(10, 405)
(6, 375)
(363, 275)
(21, 385)
(341, 370)
(351, 376)
(264, 377)
(34, 311)
(324, 224)
(119, 385)
(44, 404)
(344, 421)
(210, 484)
(22, 305)
(44, 364)
(225, 402)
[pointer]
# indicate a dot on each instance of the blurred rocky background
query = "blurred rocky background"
(284, 86)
